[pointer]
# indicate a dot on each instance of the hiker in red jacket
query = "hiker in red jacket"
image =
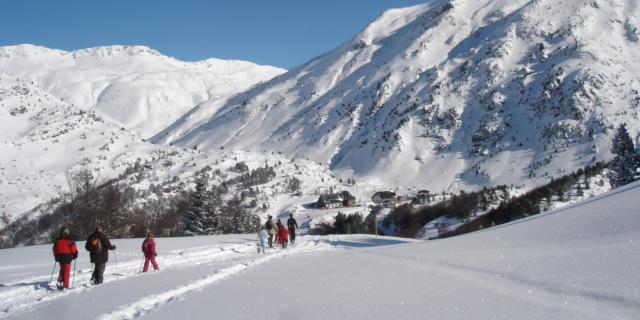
(283, 235)
(149, 251)
(64, 251)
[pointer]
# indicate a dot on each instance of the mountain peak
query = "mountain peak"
(117, 50)
(461, 86)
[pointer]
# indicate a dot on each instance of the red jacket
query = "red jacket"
(65, 250)
(283, 234)
(149, 247)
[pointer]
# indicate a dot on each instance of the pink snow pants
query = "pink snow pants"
(153, 262)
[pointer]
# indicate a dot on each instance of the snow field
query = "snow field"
(181, 272)
(579, 262)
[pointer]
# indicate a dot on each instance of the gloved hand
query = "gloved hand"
(155, 254)
(75, 256)
(113, 247)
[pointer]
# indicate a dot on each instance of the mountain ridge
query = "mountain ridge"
(134, 85)
(470, 82)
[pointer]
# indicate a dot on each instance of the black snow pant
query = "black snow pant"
(98, 273)
(292, 235)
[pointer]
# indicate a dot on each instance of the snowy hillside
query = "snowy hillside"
(448, 95)
(43, 140)
(135, 85)
(579, 262)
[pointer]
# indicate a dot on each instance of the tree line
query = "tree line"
(119, 209)
(533, 202)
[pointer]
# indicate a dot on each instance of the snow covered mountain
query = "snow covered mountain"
(134, 85)
(63, 111)
(448, 95)
(44, 139)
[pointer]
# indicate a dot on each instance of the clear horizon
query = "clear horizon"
(285, 33)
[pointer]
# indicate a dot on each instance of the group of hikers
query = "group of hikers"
(65, 251)
(277, 233)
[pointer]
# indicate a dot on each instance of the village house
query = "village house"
(336, 200)
(421, 198)
(381, 197)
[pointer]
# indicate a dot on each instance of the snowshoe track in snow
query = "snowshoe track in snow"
(19, 296)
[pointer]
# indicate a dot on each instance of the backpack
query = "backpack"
(95, 245)
(269, 225)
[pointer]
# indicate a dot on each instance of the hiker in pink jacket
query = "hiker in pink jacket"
(149, 251)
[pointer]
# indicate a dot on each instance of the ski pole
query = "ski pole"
(52, 270)
(141, 264)
(115, 255)
(73, 278)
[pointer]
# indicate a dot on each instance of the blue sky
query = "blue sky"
(284, 33)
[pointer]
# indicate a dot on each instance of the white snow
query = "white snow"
(134, 85)
(579, 262)
(425, 93)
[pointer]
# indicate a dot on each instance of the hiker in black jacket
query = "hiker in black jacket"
(292, 224)
(98, 245)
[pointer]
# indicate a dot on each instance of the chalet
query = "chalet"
(347, 199)
(421, 198)
(381, 197)
(336, 200)
(330, 200)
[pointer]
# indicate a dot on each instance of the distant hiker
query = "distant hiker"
(283, 234)
(149, 251)
(98, 246)
(277, 230)
(262, 238)
(270, 230)
(292, 224)
(64, 251)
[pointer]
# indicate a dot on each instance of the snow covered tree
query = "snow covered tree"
(194, 218)
(212, 215)
(624, 165)
(237, 220)
(293, 184)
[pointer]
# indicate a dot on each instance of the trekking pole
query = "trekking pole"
(115, 255)
(52, 270)
(73, 278)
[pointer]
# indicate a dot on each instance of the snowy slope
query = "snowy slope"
(43, 139)
(449, 95)
(579, 262)
(135, 85)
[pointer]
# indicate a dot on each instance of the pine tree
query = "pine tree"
(212, 214)
(235, 219)
(194, 217)
(624, 165)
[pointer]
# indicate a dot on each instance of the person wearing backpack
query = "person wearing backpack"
(270, 230)
(149, 251)
(98, 246)
(292, 224)
(64, 251)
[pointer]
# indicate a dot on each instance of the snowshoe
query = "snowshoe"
(60, 286)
